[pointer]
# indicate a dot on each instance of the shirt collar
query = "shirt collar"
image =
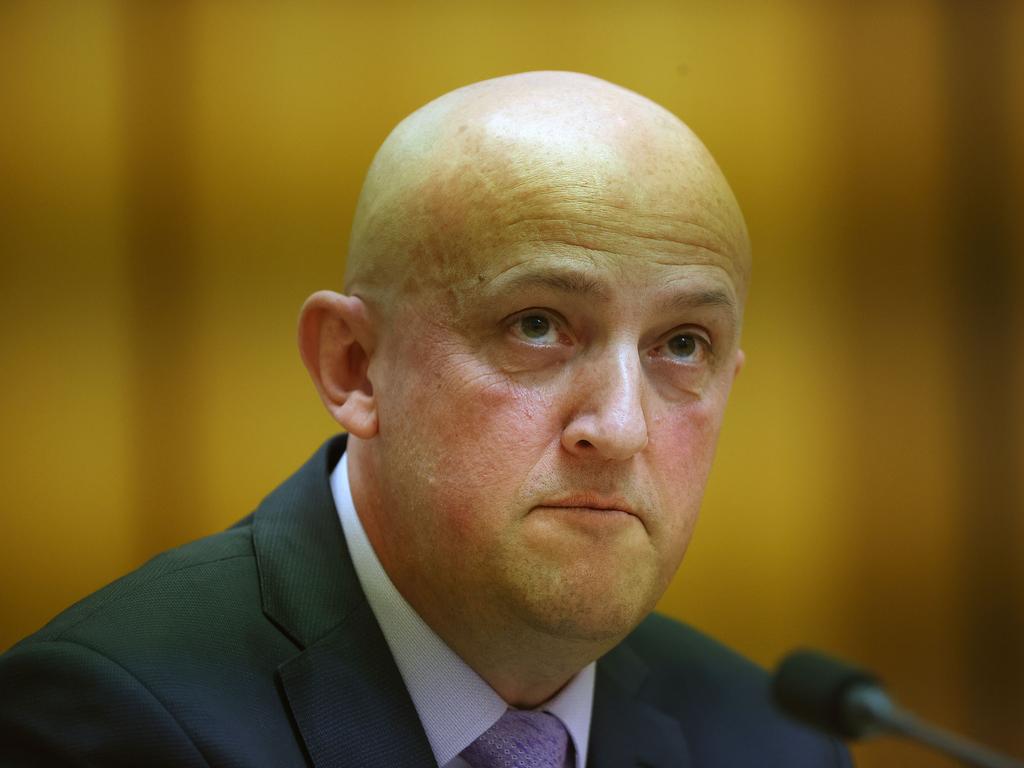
(454, 704)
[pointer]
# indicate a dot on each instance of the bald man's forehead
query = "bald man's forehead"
(475, 218)
(469, 179)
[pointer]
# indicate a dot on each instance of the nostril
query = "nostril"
(584, 444)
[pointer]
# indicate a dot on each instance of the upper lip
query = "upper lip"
(590, 501)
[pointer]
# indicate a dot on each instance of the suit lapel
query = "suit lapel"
(343, 689)
(626, 732)
(349, 701)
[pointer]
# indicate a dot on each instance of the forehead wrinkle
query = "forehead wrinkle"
(545, 205)
(577, 231)
(697, 244)
(557, 278)
(706, 297)
(584, 276)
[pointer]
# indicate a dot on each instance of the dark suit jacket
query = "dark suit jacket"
(256, 647)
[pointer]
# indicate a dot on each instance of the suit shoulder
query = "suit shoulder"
(179, 574)
(668, 644)
(723, 699)
(64, 703)
(169, 665)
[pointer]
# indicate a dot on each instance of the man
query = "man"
(540, 329)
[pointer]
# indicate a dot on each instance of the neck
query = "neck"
(523, 666)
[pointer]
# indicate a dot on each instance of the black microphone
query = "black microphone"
(851, 703)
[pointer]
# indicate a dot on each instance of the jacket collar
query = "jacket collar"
(344, 692)
(307, 582)
(626, 731)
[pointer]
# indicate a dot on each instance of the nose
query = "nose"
(608, 420)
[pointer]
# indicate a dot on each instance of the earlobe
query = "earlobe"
(336, 341)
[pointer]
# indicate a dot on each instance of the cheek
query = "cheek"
(688, 431)
(496, 443)
(472, 433)
(682, 446)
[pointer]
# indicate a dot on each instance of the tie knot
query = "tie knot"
(520, 739)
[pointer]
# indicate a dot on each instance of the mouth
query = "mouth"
(598, 505)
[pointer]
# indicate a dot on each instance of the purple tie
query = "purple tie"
(520, 739)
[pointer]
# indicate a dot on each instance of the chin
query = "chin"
(600, 628)
(589, 608)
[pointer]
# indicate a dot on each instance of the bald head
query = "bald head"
(516, 151)
(545, 290)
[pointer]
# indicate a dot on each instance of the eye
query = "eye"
(683, 345)
(535, 327)
(687, 347)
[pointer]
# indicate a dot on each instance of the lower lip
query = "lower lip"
(592, 515)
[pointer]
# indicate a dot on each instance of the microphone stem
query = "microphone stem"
(900, 722)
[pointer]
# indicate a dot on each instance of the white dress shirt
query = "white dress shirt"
(453, 702)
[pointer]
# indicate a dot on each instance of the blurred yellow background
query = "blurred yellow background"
(176, 177)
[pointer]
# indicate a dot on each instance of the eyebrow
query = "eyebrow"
(707, 297)
(577, 284)
(562, 281)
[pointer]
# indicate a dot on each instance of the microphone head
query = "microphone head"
(816, 689)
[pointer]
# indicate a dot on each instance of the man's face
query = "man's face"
(549, 405)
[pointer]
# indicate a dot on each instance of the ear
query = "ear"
(741, 358)
(336, 341)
